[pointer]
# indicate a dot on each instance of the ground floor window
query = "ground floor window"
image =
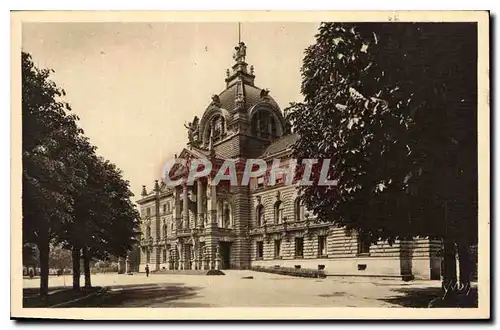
(322, 246)
(277, 249)
(299, 247)
(259, 248)
(148, 256)
(164, 255)
(363, 244)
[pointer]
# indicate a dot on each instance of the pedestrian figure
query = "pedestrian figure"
(31, 273)
(147, 270)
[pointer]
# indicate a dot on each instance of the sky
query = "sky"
(135, 85)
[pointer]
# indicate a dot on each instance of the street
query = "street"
(263, 290)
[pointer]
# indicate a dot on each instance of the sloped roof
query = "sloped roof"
(281, 144)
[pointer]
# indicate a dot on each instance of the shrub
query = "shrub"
(215, 272)
(299, 272)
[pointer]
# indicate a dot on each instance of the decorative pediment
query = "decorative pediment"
(322, 231)
(179, 170)
(191, 154)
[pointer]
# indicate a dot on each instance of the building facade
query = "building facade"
(204, 226)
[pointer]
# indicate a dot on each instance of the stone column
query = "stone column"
(185, 208)
(206, 258)
(177, 219)
(127, 265)
(167, 252)
(181, 256)
(217, 258)
(211, 240)
(199, 203)
(193, 257)
(198, 256)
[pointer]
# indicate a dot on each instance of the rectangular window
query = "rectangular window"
(299, 247)
(148, 211)
(280, 216)
(164, 255)
(164, 208)
(259, 250)
(322, 246)
(277, 249)
(148, 256)
(363, 245)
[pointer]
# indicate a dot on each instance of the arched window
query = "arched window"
(264, 125)
(299, 210)
(217, 128)
(278, 212)
(260, 215)
(274, 131)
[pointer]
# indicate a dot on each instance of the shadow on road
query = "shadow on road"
(145, 295)
(419, 297)
(56, 295)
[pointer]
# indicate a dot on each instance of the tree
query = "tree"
(49, 136)
(71, 197)
(115, 226)
(394, 106)
(30, 255)
(105, 220)
(59, 258)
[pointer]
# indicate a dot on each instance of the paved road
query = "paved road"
(264, 290)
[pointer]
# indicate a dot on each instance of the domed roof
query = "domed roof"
(251, 93)
(241, 95)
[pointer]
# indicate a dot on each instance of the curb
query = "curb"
(97, 293)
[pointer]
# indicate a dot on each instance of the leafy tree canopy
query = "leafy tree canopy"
(394, 106)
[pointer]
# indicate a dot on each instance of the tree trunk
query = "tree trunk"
(43, 249)
(75, 254)
(465, 264)
(86, 267)
(449, 269)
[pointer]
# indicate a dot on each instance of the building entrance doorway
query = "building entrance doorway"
(225, 254)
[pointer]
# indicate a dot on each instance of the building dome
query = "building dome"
(241, 106)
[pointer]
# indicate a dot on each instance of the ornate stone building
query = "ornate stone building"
(204, 227)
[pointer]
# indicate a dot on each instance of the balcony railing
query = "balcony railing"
(288, 226)
(226, 231)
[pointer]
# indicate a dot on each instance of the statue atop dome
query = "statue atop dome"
(240, 52)
(264, 93)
